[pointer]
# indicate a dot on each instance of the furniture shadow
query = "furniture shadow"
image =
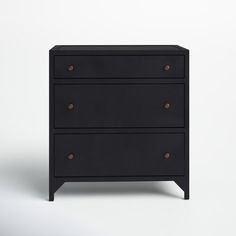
(137, 188)
(26, 173)
(29, 173)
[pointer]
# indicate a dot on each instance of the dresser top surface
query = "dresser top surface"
(118, 49)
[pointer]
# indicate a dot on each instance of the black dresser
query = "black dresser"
(119, 113)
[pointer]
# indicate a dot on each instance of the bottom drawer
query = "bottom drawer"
(117, 154)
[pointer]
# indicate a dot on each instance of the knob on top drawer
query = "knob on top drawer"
(119, 66)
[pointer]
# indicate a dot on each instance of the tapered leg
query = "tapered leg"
(186, 195)
(183, 183)
(51, 190)
(54, 185)
(51, 196)
(186, 189)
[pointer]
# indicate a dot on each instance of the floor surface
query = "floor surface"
(107, 209)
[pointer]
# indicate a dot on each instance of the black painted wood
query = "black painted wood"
(108, 119)
(119, 66)
(119, 154)
(119, 105)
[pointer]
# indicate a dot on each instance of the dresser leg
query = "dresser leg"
(51, 190)
(186, 189)
(51, 197)
(186, 195)
(55, 184)
(183, 183)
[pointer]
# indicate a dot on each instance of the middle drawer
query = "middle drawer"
(119, 105)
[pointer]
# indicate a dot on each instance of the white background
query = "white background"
(28, 30)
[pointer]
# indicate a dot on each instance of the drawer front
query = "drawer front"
(119, 154)
(119, 105)
(118, 66)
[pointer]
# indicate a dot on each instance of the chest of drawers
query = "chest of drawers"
(119, 113)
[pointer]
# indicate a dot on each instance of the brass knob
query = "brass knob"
(70, 106)
(167, 155)
(71, 156)
(70, 67)
(167, 67)
(167, 105)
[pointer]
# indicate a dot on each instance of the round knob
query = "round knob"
(71, 156)
(167, 155)
(167, 67)
(70, 67)
(167, 105)
(70, 106)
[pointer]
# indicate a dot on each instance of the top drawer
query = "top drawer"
(118, 66)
